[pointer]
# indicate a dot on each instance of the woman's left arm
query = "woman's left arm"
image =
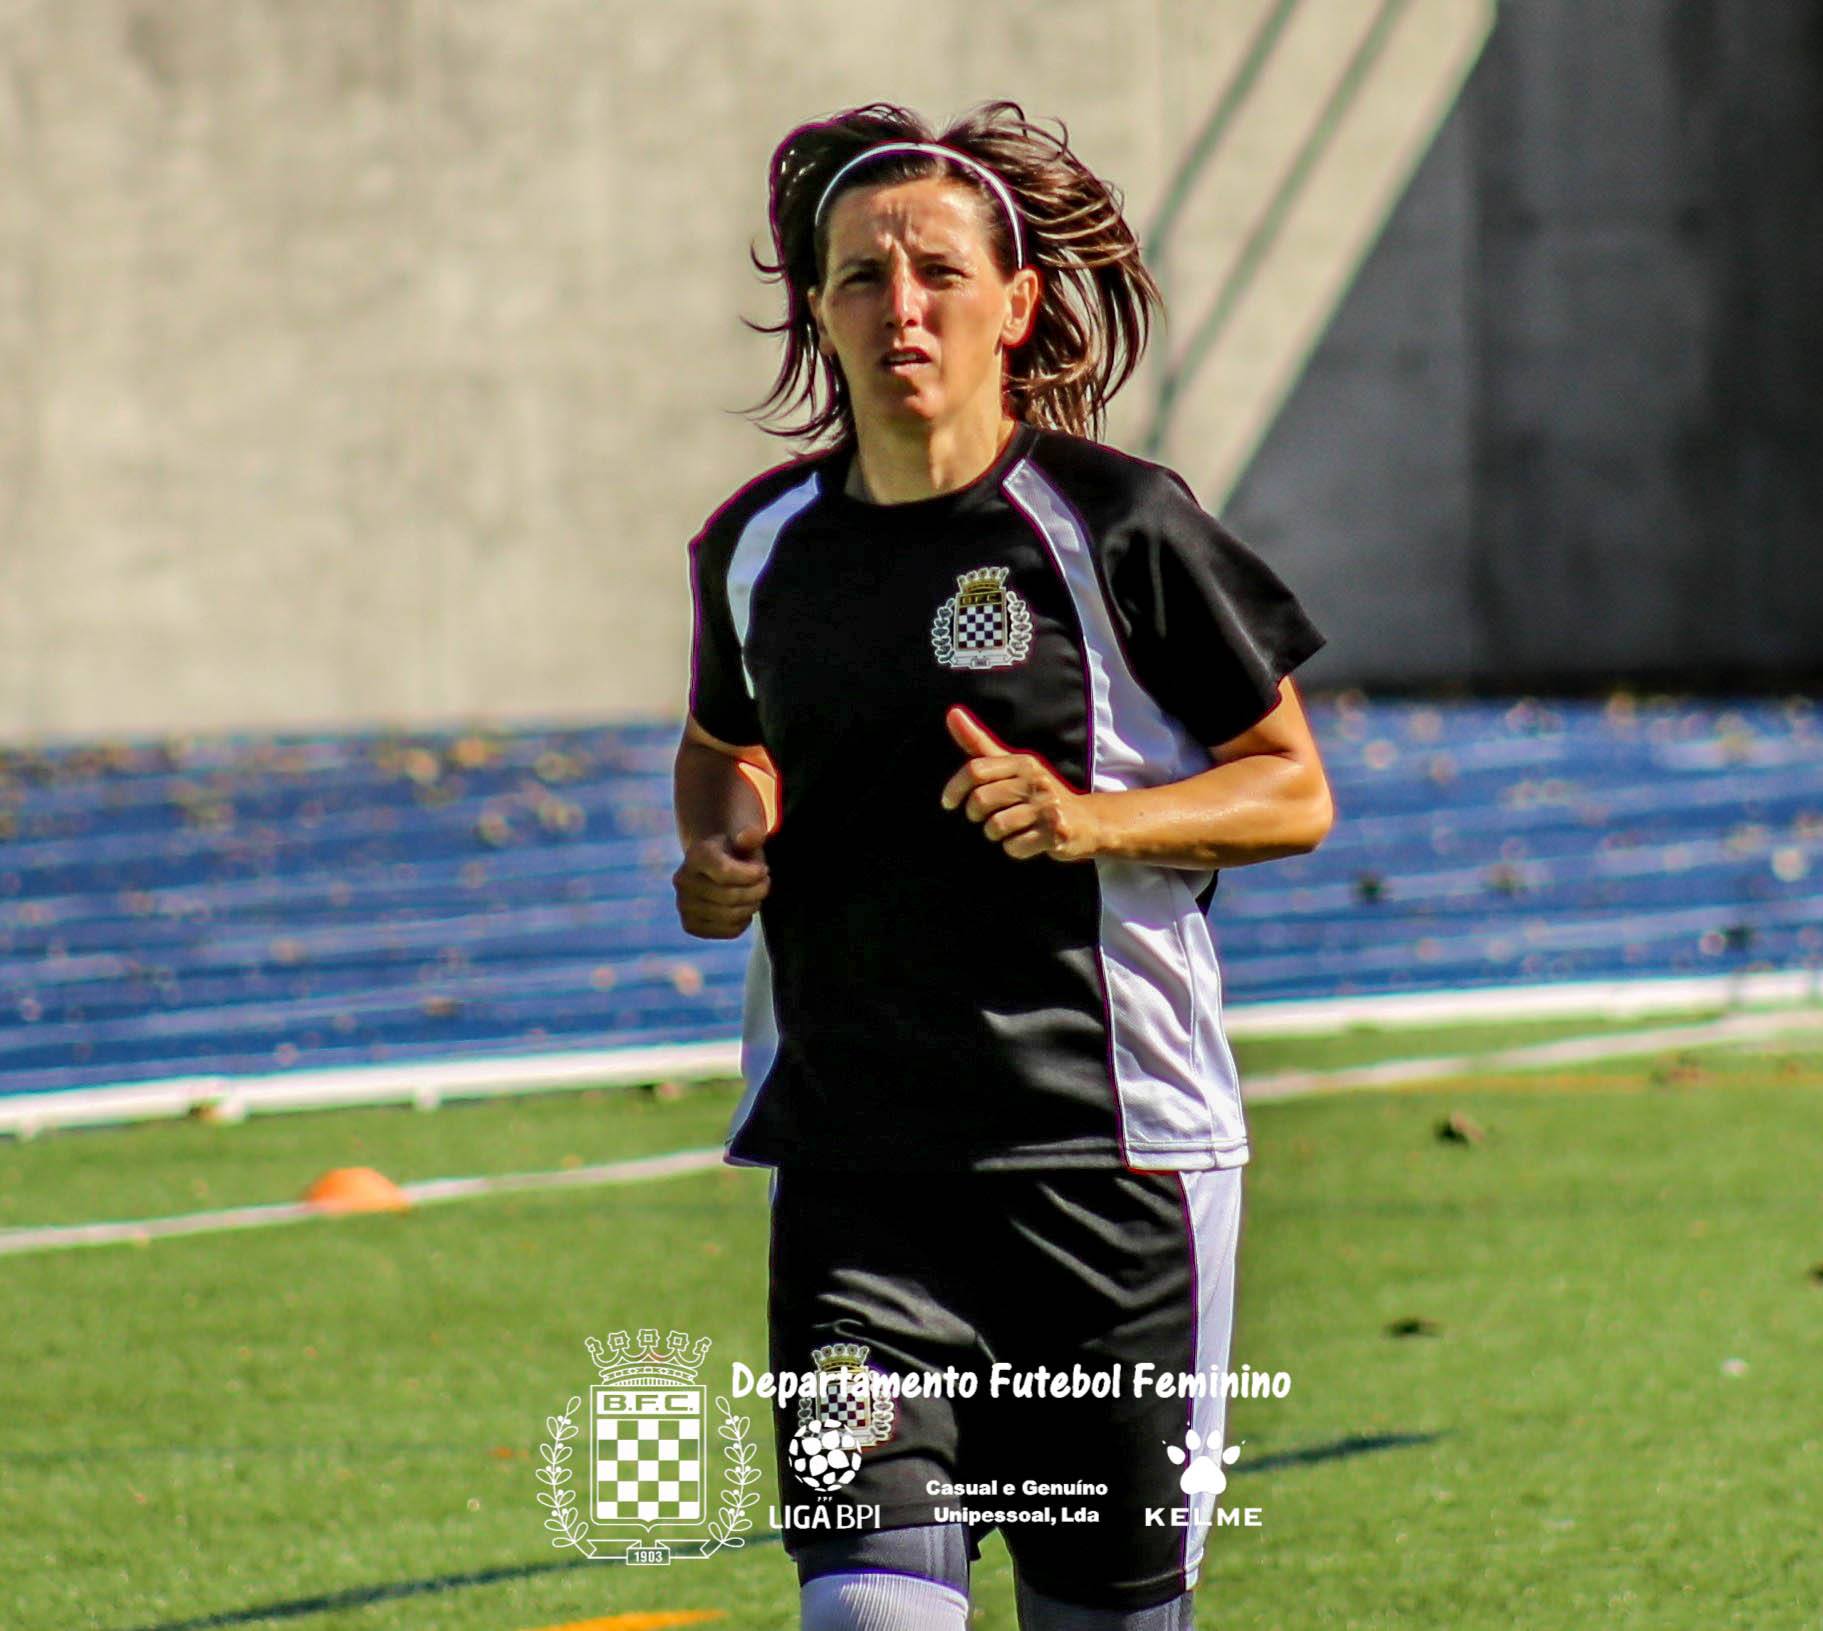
(1265, 796)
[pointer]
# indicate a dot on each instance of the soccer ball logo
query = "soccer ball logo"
(824, 1454)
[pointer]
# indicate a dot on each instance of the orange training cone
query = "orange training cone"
(356, 1189)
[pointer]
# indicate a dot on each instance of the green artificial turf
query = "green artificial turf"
(1607, 1417)
(160, 1168)
(157, 1168)
(1372, 1044)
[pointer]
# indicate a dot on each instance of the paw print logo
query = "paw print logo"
(1202, 1473)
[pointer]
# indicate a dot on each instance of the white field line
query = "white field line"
(428, 1083)
(1576, 1050)
(428, 1192)
(1607, 999)
(424, 1083)
(1733, 1029)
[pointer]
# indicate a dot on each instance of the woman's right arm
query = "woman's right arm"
(726, 802)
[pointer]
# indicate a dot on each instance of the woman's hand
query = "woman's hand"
(721, 882)
(1021, 802)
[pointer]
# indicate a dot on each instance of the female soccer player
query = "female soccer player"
(978, 709)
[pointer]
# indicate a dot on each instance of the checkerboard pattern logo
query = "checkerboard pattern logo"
(646, 1430)
(984, 624)
(649, 1462)
(857, 1415)
(648, 1455)
(980, 619)
(852, 1396)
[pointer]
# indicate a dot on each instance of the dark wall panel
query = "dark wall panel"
(1569, 420)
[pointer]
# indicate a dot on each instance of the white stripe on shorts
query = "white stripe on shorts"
(1212, 1206)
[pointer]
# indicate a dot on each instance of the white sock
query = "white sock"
(873, 1600)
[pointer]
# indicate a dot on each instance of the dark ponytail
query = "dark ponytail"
(1096, 305)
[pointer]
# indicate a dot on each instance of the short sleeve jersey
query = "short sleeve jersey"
(915, 997)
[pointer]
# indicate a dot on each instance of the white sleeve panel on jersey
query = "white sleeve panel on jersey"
(722, 582)
(718, 690)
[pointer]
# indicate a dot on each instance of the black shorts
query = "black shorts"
(1071, 1282)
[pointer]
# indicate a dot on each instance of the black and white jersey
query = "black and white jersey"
(916, 997)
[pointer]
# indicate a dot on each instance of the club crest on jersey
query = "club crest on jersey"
(853, 1394)
(984, 624)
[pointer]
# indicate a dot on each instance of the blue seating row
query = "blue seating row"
(240, 904)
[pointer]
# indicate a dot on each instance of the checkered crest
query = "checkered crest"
(980, 615)
(648, 1455)
(984, 624)
(856, 1414)
(647, 1428)
(853, 1394)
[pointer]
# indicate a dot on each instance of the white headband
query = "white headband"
(999, 187)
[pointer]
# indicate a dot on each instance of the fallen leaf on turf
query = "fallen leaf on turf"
(1413, 1326)
(1458, 1128)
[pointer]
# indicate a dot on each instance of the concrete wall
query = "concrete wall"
(374, 361)
(1568, 424)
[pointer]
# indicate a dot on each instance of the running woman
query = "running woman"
(979, 707)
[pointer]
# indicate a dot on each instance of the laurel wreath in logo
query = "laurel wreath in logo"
(1018, 629)
(572, 1529)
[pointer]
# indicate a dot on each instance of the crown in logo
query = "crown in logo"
(982, 578)
(644, 1361)
(839, 1356)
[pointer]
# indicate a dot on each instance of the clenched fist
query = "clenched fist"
(721, 882)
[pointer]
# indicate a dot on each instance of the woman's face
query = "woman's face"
(912, 307)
